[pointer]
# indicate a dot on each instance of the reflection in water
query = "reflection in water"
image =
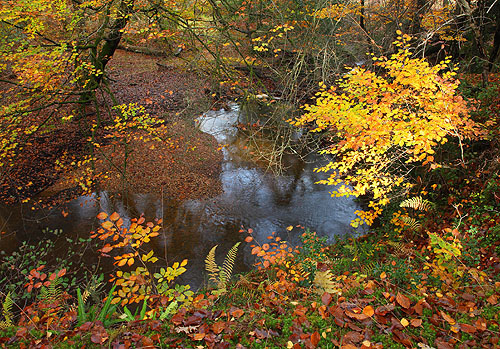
(251, 198)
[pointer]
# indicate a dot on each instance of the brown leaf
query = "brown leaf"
(416, 322)
(237, 313)
(193, 320)
(147, 342)
(177, 319)
(448, 318)
(218, 327)
(359, 317)
(326, 298)
(403, 300)
(353, 337)
(349, 346)
(467, 328)
(492, 299)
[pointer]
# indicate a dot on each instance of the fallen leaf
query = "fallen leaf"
(403, 300)
(404, 322)
(368, 311)
(467, 328)
(198, 336)
(326, 298)
(218, 327)
(416, 322)
(237, 313)
(448, 318)
(492, 299)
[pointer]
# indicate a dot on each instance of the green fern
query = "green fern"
(52, 292)
(220, 276)
(7, 312)
(368, 268)
(417, 203)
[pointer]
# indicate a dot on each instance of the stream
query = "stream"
(251, 198)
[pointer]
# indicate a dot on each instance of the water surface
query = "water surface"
(251, 198)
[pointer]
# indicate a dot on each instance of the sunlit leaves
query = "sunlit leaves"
(387, 124)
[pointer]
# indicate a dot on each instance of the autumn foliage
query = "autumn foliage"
(385, 123)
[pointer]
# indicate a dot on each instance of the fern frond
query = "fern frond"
(410, 222)
(211, 266)
(52, 292)
(417, 203)
(323, 280)
(400, 249)
(368, 268)
(7, 312)
(227, 266)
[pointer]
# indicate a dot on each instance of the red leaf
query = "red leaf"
(61, 272)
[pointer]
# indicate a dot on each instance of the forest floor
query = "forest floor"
(184, 165)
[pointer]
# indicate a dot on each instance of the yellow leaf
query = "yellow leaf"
(404, 322)
(107, 225)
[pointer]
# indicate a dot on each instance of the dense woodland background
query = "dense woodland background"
(404, 94)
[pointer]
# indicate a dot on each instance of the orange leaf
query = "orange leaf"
(122, 262)
(61, 272)
(114, 216)
(383, 275)
(368, 311)
(248, 238)
(130, 261)
(198, 336)
(315, 337)
(102, 215)
(106, 249)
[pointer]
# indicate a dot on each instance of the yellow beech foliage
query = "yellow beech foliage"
(386, 124)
